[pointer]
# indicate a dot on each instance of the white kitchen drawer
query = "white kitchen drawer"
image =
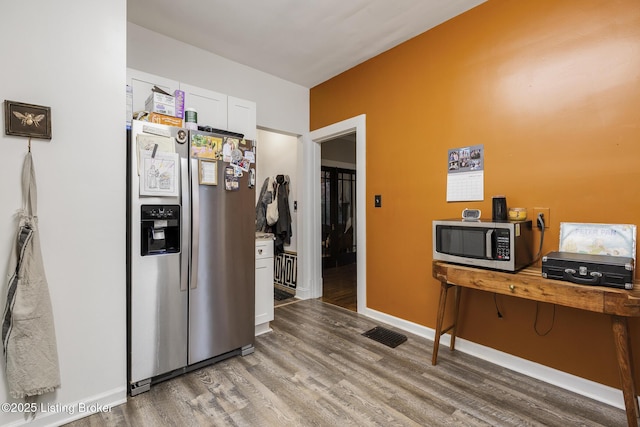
(264, 249)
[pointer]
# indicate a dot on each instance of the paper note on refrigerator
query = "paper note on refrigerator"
(153, 143)
(159, 174)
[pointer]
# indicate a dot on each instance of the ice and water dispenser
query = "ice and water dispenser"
(160, 228)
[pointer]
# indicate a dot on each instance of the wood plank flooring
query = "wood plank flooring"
(316, 369)
(340, 287)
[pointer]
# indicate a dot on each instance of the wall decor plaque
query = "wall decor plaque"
(28, 120)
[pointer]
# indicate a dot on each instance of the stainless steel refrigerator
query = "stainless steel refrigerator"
(190, 250)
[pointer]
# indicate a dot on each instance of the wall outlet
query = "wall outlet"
(546, 215)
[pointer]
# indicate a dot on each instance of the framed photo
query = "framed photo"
(208, 171)
(29, 120)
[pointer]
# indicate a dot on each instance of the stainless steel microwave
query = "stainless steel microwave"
(498, 245)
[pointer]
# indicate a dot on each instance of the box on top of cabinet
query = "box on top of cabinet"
(165, 120)
(179, 103)
(161, 103)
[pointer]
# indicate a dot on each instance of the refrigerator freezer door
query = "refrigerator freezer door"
(158, 338)
(222, 305)
(157, 306)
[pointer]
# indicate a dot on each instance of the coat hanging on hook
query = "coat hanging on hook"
(275, 193)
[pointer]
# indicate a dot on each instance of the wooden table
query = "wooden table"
(529, 284)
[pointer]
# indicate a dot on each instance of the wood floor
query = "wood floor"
(339, 286)
(316, 369)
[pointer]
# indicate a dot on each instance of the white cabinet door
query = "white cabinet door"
(141, 84)
(242, 117)
(264, 285)
(211, 106)
(264, 290)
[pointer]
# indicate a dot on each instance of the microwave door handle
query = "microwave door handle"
(489, 244)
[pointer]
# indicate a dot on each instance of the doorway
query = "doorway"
(339, 221)
(312, 229)
(277, 154)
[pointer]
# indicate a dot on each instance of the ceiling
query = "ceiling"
(302, 41)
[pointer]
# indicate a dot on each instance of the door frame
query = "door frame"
(311, 266)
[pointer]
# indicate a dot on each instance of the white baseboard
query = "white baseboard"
(591, 389)
(56, 414)
(303, 292)
(263, 328)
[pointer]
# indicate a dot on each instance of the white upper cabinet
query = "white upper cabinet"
(141, 84)
(221, 111)
(214, 109)
(211, 106)
(242, 117)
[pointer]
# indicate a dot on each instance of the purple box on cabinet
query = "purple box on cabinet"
(179, 96)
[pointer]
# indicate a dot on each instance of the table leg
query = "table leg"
(444, 286)
(625, 365)
(454, 328)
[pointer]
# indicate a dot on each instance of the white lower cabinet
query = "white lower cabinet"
(264, 285)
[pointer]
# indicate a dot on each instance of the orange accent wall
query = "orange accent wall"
(552, 90)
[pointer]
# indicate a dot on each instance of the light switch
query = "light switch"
(377, 200)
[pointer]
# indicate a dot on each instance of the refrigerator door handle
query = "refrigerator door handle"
(186, 225)
(195, 223)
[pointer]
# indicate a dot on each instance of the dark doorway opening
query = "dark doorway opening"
(338, 194)
(338, 200)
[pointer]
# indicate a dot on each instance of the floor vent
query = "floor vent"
(385, 336)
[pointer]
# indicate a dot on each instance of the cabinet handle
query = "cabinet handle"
(260, 251)
(512, 288)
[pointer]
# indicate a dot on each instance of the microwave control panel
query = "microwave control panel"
(503, 245)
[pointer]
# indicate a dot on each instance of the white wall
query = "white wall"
(281, 105)
(278, 154)
(70, 55)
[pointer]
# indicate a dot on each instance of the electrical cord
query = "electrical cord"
(535, 321)
(540, 223)
(495, 301)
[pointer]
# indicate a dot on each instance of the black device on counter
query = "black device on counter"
(498, 245)
(499, 208)
(588, 269)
